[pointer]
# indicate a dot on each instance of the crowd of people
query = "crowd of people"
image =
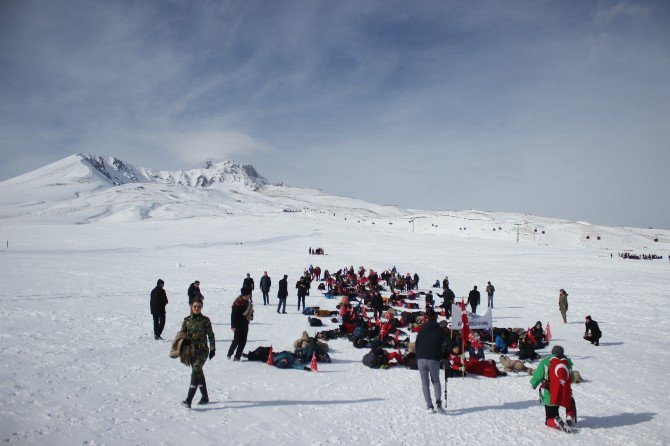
(402, 310)
(630, 255)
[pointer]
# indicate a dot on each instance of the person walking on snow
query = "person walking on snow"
(429, 342)
(266, 283)
(241, 314)
(199, 329)
(563, 304)
(490, 289)
(473, 299)
(554, 376)
(157, 305)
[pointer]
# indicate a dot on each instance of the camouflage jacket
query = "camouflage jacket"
(199, 329)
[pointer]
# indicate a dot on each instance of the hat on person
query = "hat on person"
(245, 291)
(557, 350)
(160, 282)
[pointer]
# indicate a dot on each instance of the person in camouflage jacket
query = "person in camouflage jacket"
(199, 329)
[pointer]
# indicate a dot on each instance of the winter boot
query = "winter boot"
(189, 397)
(203, 390)
(557, 423)
(438, 406)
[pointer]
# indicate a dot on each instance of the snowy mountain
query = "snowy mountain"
(84, 188)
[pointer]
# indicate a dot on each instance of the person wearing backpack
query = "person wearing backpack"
(429, 347)
(554, 376)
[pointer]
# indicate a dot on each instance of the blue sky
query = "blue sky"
(559, 109)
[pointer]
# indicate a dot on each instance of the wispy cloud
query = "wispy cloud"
(414, 102)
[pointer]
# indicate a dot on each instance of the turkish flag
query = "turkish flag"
(530, 336)
(466, 326)
(547, 334)
(560, 382)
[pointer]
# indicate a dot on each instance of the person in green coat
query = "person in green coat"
(563, 304)
(199, 329)
(542, 376)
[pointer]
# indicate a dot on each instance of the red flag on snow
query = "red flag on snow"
(271, 357)
(547, 335)
(530, 336)
(560, 388)
(466, 326)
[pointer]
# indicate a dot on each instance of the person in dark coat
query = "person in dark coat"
(241, 314)
(266, 283)
(416, 281)
(302, 287)
(282, 294)
(448, 297)
(157, 305)
(194, 292)
(473, 299)
(592, 333)
(377, 304)
(429, 347)
(490, 289)
(248, 283)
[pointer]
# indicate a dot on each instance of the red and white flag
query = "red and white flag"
(560, 382)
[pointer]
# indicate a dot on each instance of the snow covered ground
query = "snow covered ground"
(79, 364)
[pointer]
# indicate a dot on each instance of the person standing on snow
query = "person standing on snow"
(302, 287)
(198, 328)
(248, 283)
(490, 289)
(266, 283)
(241, 314)
(157, 305)
(194, 292)
(282, 294)
(563, 304)
(554, 376)
(473, 299)
(429, 347)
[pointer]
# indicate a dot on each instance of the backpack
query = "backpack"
(314, 322)
(260, 354)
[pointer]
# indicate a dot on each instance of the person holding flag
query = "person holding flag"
(554, 376)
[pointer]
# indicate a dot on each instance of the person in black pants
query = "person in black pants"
(157, 304)
(266, 283)
(282, 294)
(592, 333)
(377, 304)
(473, 299)
(302, 287)
(242, 313)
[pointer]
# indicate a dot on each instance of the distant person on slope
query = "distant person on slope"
(563, 304)
(448, 297)
(429, 347)
(302, 287)
(157, 305)
(248, 283)
(199, 329)
(554, 376)
(266, 283)
(474, 298)
(194, 292)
